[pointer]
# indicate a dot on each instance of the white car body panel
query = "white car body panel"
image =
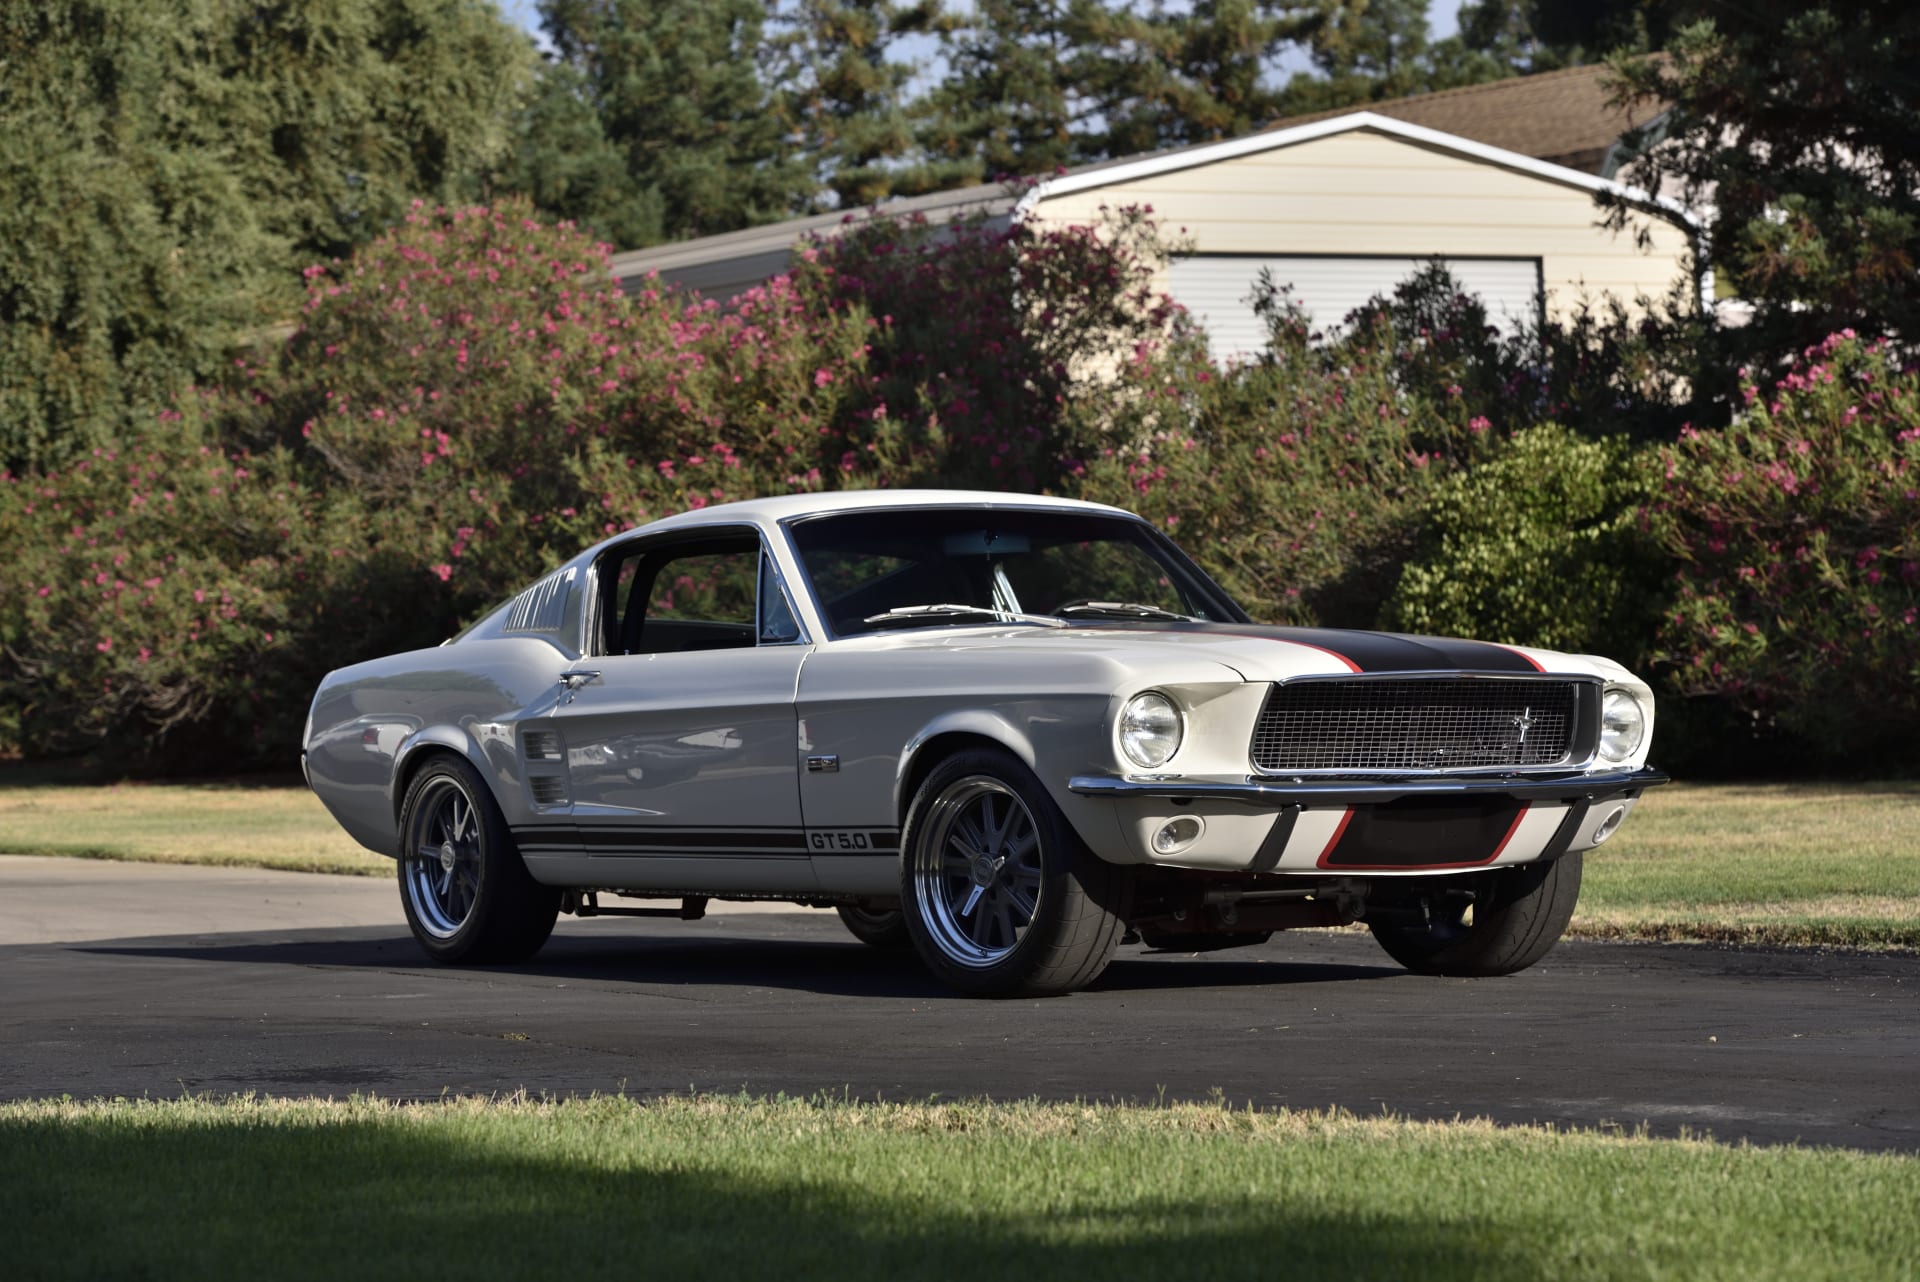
(784, 770)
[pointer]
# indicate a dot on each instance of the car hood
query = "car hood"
(1259, 652)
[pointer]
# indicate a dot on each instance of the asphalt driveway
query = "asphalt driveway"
(132, 979)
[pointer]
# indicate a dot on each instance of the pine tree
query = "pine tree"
(1014, 101)
(1195, 73)
(677, 89)
(843, 80)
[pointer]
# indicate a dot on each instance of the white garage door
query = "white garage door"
(1216, 289)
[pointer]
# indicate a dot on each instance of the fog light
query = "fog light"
(1609, 824)
(1176, 835)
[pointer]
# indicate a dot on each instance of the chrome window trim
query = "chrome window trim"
(1166, 546)
(594, 606)
(1434, 674)
(769, 562)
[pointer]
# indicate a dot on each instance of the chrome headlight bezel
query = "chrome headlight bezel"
(1623, 725)
(1147, 722)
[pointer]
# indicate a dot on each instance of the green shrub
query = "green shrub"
(1797, 532)
(1540, 544)
(1299, 477)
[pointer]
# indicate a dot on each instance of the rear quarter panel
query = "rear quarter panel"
(370, 722)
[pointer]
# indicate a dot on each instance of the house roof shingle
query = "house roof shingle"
(1562, 117)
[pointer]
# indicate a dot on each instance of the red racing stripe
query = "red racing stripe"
(1333, 841)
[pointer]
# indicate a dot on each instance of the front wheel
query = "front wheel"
(467, 894)
(1515, 918)
(1000, 896)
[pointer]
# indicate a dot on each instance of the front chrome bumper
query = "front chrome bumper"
(1588, 787)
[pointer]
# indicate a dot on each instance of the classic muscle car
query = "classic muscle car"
(1010, 732)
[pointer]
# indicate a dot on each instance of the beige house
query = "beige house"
(1339, 208)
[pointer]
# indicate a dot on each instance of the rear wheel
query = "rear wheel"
(876, 923)
(467, 893)
(1514, 919)
(1000, 896)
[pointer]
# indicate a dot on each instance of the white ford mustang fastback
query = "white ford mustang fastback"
(1010, 732)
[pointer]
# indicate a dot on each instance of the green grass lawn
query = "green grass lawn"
(182, 823)
(1774, 864)
(732, 1189)
(1778, 864)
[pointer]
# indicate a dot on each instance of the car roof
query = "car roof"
(785, 507)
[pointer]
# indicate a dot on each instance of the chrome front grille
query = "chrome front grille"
(1399, 725)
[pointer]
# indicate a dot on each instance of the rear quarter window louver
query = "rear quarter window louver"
(541, 607)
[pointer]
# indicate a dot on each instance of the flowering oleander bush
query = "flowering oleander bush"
(470, 398)
(463, 403)
(1797, 535)
(998, 344)
(174, 585)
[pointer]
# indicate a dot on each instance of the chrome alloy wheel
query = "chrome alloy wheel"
(977, 876)
(443, 859)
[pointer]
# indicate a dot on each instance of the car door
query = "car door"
(680, 729)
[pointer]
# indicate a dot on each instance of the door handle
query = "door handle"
(576, 678)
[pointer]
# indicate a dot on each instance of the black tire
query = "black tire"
(877, 927)
(999, 895)
(1518, 915)
(467, 893)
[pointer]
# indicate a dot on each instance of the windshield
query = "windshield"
(877, 570)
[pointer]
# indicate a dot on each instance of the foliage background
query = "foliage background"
(301, 359)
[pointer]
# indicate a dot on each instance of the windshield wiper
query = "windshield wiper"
(1123, 609)
(948, 610)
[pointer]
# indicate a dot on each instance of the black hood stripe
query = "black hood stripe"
(1369, 652)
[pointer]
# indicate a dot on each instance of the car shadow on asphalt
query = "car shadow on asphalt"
(828, 967)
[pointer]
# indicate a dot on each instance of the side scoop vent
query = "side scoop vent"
(548, 790)
(541, 745)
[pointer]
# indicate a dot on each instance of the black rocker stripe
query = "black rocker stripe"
(1368, 652)
(768, 842)
(769, 839)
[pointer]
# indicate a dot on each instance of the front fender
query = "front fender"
(977, 723)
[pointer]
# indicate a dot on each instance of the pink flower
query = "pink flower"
(104, 644)
(442, 572)
(822, 377)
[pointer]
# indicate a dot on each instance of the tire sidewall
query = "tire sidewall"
(1517, 928)
(1059, 849)
(475, 939)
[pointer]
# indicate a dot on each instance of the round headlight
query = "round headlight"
(1622, 726)
(1150, 730)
